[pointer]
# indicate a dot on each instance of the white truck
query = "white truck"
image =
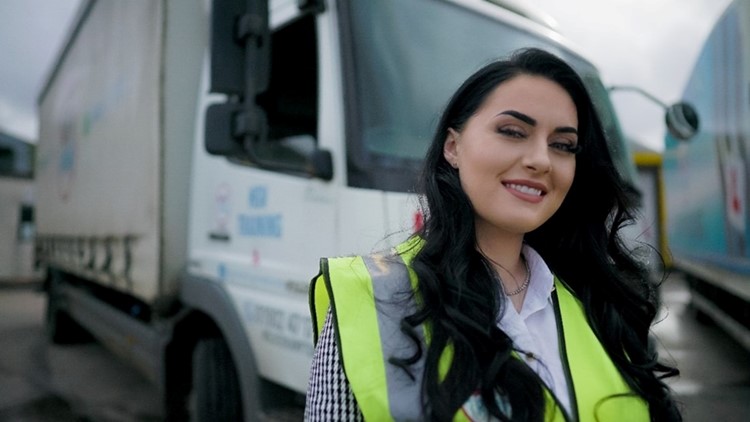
(197, 158)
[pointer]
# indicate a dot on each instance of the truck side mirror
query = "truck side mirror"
(240, 68)
(240, 43)
(226, 127)
(682, 120)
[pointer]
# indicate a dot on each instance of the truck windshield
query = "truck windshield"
(405, 58)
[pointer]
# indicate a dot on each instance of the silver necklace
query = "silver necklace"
(526, 282)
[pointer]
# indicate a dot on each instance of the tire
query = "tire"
(216, 389)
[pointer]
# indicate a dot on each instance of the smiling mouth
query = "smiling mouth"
(528, 190)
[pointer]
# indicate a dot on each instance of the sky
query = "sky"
(651, 44)
(31, 34)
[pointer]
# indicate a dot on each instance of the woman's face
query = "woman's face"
(515, 155)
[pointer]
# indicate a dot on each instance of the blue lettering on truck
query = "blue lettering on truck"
(257, 197)
(259, 225)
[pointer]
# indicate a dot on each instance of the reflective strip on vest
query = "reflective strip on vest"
(389, 277)
(369, 296)
(357, 334)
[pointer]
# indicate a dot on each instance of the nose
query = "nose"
(537, 156)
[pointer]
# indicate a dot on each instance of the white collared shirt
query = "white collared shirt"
(534, 330)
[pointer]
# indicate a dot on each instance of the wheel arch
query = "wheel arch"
(210, 312)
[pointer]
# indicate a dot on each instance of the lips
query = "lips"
(526, 187)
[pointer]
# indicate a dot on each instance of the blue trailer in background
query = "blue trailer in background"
(707, 178)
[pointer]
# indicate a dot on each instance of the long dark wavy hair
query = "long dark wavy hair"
(580, 243)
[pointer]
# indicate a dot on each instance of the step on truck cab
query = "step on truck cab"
(197, 158)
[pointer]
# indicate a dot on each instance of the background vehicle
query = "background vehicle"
(649, 230)
(187, 188)
(706, 178)
(16, 209)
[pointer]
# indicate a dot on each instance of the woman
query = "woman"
(517, 300)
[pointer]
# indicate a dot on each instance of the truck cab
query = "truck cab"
(363, 81)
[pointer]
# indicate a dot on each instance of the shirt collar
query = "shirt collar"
(542, 282)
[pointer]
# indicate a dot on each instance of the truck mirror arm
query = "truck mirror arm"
(641, 91)
(250, 26)
(251, 127)
(319, 162)
(311, 6)
(233, 131)
(681, 118)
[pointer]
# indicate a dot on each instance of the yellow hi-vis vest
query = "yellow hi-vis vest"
(368, 297)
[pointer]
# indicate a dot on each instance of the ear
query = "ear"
(450, 148)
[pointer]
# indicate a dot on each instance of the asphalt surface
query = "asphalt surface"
(40, 382)
(714, 381)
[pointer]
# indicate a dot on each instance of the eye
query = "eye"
(511, 132)
(566, 146)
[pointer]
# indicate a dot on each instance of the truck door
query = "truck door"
(260, 232)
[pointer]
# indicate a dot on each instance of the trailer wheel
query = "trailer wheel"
(216, 389)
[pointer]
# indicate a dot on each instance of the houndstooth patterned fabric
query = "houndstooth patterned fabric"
(329, 395)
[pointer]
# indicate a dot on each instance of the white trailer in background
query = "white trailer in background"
(197, 159)
(16, 210)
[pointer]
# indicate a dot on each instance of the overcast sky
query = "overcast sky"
(31, 32)
(652, 44)
(648, 43)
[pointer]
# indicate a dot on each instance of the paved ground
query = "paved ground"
(714, 384)
(44, 383)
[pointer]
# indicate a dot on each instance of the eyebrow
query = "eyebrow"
(531, 121)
